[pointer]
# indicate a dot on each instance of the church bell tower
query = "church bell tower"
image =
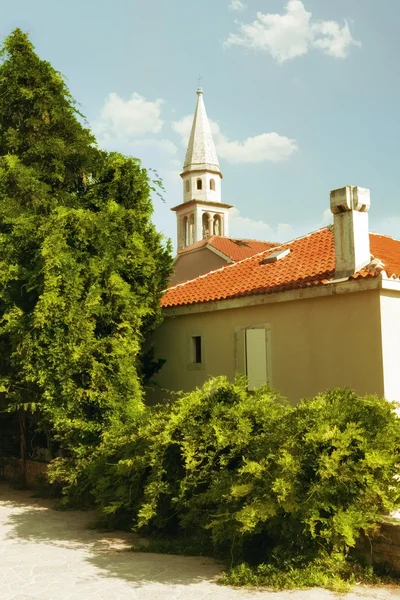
(202, 213)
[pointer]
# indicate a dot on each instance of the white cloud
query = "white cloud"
(244, 227)
(128, 126)
(292, 34)
(237, 5)
(327, 217)
(120, 118)
(264, 147)
(334, 40)
(183, 128)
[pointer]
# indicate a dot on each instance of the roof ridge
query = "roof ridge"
(247, 239)
(243, 260)
(212, 238)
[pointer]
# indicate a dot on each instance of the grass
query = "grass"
(335, 574)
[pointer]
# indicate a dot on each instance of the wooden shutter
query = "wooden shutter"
(256, 358)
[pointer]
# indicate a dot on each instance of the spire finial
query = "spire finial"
(199, 89)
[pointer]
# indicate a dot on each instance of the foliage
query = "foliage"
(334, 574)
(257, 473)
(250, 478)
(81, 267)
(185, 546)
(9, 440)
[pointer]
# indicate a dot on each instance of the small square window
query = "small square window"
(196, 349)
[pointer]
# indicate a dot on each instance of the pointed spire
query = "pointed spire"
(201, 154)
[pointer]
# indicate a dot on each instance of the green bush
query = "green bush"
(254, 479)
(266, 478)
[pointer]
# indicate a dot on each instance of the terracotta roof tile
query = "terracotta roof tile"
(311, 262)
(387, 250)
(235, 249)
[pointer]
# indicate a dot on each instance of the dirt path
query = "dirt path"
(51, 555)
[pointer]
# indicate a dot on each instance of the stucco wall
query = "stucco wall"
(192, 264)
(315, 344)
(390, 322)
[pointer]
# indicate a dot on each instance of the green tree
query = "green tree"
(81, 264)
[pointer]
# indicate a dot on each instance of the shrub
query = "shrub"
(266, 479)
(253, 479)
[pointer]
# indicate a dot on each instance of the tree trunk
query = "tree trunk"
(22, 429)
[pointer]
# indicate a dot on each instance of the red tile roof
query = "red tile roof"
(388, 251)
(311, 262)
(235, 249)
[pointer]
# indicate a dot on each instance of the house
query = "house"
(317, 312)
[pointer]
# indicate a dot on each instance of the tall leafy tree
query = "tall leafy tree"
(81, 264)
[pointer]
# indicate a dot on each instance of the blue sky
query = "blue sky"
(304, 96)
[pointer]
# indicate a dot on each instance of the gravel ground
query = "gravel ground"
(51, 555)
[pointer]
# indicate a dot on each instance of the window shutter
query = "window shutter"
(256, 351)
(240, 352)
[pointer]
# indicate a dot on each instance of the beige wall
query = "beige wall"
(190, 265)
(390, 323)
(315, 344)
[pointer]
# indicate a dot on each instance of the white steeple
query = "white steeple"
(202, 213)
(201, 154)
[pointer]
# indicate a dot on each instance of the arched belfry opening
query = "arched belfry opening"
(185, 232)
(217, 225)
(206, 225)
(191, 230)
(184, 237)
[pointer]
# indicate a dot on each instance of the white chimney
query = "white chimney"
(350, 207)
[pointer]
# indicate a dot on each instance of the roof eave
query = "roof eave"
(202, 202)
(200, 168)
(302, 293)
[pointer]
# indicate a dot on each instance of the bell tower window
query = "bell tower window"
(187, 185)
(217, 225)
(191, 230)
(206, 225)
(185, 231)
(212, 185)
(199, 184)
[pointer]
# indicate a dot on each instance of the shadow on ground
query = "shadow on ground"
(33, 520)
(52, 555)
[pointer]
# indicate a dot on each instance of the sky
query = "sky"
(303, 97)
